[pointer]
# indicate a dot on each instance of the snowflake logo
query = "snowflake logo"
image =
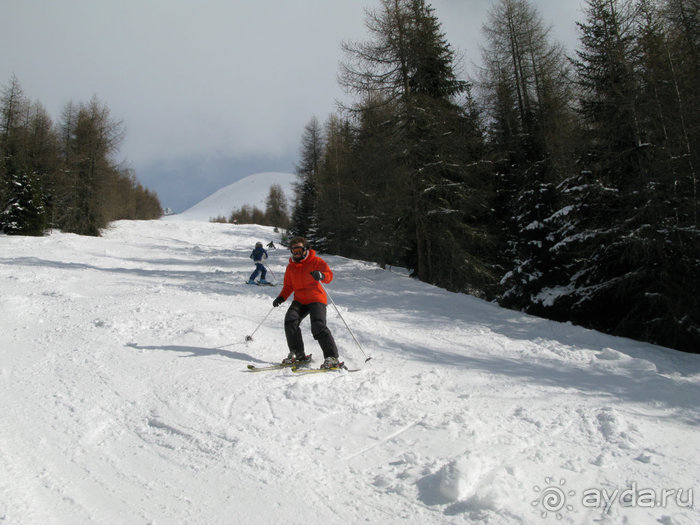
(552, 498)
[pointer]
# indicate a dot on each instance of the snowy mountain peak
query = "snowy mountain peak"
(251, 190)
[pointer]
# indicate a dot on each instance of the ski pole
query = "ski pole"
(346, 324)
(250, 337)
(273, 273)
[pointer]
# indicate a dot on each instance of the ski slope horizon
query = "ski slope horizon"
(126, 399)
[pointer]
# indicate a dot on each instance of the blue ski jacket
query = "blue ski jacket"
(258, 255)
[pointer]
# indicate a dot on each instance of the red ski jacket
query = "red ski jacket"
(297, 279)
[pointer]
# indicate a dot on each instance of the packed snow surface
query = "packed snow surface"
(125, 398)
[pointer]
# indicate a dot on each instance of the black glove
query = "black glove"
(278, 301)
(317, 275)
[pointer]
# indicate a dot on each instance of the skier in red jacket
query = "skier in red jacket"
(302, 277)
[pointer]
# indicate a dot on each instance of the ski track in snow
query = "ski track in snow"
(124, 396)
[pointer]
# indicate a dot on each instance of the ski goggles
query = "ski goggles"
(297, 249)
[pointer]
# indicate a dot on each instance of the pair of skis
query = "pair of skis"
(297, 369)
(258, 283)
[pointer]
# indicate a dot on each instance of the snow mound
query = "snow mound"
(459, 478)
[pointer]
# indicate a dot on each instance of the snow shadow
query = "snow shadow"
(429, 490)
(206, 282)
(633, 381)
(194, 351)
(429, 493)
(384, 294)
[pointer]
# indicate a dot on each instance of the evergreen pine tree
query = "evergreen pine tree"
(276, 208)
(526, 91)
(409, 66)
(629, 265)
(22, 209)
(304, 213)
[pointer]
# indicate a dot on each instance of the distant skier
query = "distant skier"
(302, 277)
(271, 245)
(258, 255)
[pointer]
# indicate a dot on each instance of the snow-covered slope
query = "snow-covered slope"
(124, 398)
(251, 190)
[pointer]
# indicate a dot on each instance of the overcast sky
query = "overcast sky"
(209, 91)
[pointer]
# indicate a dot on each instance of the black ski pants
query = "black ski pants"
(296, 313)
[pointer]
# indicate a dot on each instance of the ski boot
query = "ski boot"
(331, 362)
(293, 359)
